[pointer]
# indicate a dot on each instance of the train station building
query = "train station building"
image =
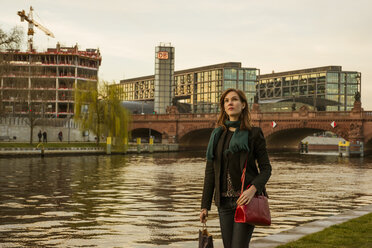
(327, 88)
(194, 90)
(197, 90)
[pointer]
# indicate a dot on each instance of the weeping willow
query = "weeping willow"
(99, 110)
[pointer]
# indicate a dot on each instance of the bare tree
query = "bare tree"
(24, 91)
(8, 43)
(11, 40)
(18, 99)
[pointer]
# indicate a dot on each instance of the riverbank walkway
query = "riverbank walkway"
(308, 228)
(298, 232)
(56, 151)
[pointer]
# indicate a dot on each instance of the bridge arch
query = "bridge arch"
(196, 138)
(144, 134)
(368, 144)
(288, 137)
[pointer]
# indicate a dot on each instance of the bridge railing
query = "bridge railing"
(367, 114)
(139, 117)
(332, 113)
(276, 114)
(311, 114)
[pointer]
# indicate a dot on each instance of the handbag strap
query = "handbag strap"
(204, 227)
(243, 177)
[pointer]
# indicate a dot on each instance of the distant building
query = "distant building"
(164, 77)
(45, 80)
(196, 90)
(327, 88)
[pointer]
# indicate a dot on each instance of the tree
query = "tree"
(18, 98)
(11, 40)
(100, 111)
(8, 43)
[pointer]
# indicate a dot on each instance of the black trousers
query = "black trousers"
(234, 235)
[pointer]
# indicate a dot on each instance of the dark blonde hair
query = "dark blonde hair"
(245, 115)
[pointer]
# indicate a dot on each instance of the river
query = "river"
(153, 200)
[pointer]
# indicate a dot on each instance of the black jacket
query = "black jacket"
(255, 176)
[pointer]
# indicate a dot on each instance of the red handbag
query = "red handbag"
(256, 212)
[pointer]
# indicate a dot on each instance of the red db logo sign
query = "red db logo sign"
(162, 55)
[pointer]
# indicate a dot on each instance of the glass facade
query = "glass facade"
(199, 89)
(341, 87)
(317, 84)
(207, 85)
(136, 89)
(280, 107)
(243, 79)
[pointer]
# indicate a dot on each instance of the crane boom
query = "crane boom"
(46, 31)
(31, 23)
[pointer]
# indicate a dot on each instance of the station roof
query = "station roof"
(302, 71)
(305, 100)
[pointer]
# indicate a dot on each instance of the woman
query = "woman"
(230, 145)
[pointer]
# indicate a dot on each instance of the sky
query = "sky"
(272, 35)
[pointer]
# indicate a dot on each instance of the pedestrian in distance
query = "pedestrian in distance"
(60, 136)
(231, 144)
(39, 135)
(45, 137)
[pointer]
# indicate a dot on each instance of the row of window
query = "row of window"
(336, 77)
(269, 83)
(53, 59)
(330, 77)
(340, 88)
(303, 78)
(241, 74)
(23, 83)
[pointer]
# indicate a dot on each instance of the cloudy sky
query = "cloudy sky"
(270, 35)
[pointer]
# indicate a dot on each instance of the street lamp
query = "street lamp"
(12, 99)
(293, 102)
(69, 127)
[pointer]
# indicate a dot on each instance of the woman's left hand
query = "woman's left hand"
(247, 196)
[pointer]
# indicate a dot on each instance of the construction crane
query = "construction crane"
(31, 23)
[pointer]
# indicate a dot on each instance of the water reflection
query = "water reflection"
(153, 200)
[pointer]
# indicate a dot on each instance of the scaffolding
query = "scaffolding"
(45, 81)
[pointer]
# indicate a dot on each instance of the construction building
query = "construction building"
(44, 82)
(195, 90)
(327, 88)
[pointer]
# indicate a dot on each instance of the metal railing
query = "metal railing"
(51, 122)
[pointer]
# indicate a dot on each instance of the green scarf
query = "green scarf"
(238, 142)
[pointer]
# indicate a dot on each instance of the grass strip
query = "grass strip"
(355, 233)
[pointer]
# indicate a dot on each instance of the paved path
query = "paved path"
(308, 228)
(144, 148)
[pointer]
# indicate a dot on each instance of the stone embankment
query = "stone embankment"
(15, 152)
(298, 232)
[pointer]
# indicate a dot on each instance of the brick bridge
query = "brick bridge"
(193, 130)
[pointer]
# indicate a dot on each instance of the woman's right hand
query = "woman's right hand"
(203, 215)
